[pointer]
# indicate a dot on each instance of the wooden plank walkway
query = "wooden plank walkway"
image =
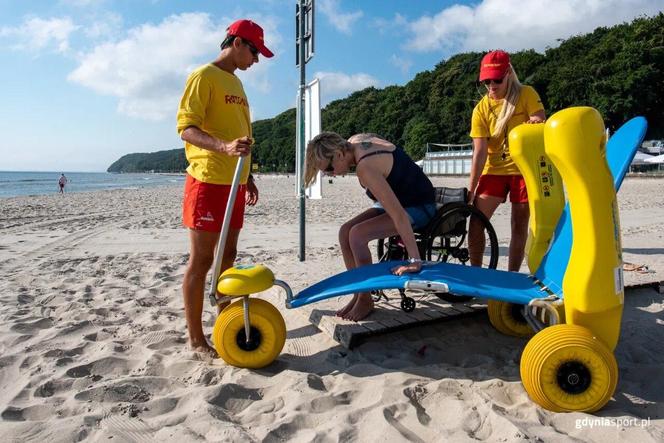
(387, 316)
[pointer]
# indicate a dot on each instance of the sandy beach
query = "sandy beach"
(93, 337)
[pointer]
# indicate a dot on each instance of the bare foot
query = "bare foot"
(362, 308)
(343, 311)
(203, 348)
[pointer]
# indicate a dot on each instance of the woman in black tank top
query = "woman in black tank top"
(403, 198)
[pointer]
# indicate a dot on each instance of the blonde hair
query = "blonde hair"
(322, 147)
(509, 103)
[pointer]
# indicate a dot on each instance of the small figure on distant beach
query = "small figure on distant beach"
(493, 173)
(403, 196)
(214, 121)
(61, 183)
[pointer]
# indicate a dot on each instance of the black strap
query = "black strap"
(373, 153)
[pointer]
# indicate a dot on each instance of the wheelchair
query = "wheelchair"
(445, 239)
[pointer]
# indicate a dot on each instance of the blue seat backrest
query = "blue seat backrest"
(620, 151)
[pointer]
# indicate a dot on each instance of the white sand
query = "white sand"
(92, 335)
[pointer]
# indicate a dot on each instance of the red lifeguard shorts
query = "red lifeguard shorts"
(501, 185)
(204, 205)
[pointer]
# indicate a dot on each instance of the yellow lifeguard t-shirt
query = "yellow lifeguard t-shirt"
(485, 114)
(214, 101)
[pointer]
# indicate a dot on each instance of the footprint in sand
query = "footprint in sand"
(105, 366)
(24, 299)
(65, 361)
(52, 387)
(18, 340)
(234, 398)
(328, 403)
(316, 382)
(160, 406)
(294, 427)
(130, 389)
(392, 417)
(20, 313)
(415, 394)
(30, 413)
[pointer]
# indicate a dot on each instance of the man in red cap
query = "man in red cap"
(214, 121)
(494, 174)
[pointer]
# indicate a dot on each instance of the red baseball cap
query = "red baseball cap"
(494, 65)
(251, 32)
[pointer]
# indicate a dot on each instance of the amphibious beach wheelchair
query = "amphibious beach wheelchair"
(445, 239)
(575, 257)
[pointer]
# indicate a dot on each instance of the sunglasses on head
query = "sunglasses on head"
(252, 48)
(497, 81)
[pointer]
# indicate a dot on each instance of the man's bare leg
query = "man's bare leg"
(201, 255)
(203, 245)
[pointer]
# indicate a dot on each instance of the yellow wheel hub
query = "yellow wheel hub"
(507, 319)
(267, 334)
(565, 368)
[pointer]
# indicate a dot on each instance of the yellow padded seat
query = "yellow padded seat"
(244, 280)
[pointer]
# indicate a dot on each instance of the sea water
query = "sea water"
(14, 184)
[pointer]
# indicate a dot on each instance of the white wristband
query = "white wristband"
(414, 260)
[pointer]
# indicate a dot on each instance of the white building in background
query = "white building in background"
(649, 158)
(447, 159)
(455, 159)
(653, 147)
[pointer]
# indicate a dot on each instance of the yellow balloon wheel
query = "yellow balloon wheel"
(267, 336)
(507, 319)
(565, 368)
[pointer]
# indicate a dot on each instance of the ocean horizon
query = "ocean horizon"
(27, 183)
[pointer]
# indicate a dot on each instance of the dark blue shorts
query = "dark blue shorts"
(419, 216)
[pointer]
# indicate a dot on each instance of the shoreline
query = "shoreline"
(436, 179)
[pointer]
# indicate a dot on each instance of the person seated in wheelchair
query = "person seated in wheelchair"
(404, 199)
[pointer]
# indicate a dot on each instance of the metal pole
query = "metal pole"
(225, 226)
(302, 146)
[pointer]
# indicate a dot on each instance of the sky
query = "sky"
(87, 81)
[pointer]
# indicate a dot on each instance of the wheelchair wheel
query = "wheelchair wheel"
(407, 304)
(450, 242)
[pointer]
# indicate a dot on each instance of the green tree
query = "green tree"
(418, 132)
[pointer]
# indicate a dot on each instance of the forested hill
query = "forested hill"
(618, 70)
(161, 161)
